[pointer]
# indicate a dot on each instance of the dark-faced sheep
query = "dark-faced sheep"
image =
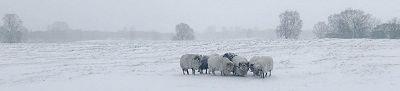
(204, 63)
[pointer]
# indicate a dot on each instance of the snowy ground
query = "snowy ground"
(328, 64)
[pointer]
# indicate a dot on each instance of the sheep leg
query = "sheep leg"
(270, 72)
(193, 71)
(201, 71)
(266, 74)
(183, 70)
(213, 72)
(233, 71)
(261, 74)
(187, 71)
(206, 71)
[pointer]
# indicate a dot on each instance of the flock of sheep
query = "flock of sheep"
(227, 63)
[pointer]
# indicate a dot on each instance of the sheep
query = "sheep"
(229, 55)
(251, 64)
(190, 61)
(204, 63)
(241, 65)
(219, 63)
(260, 65)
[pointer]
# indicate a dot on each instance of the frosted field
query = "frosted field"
(327, 64)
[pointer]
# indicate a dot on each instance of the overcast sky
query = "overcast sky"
(163, 15)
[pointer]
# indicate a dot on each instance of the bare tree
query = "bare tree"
(2, 34)
(184, 32)
(390, 30)
(394, 32)
(290, 26)
(12, 30)
(320, 29)
(379, 32)
(395, 20)
(351, 24)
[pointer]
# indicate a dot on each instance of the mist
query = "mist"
(163, 15)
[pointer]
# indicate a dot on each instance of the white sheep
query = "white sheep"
(252, 61)
(219, 63)
(190, 61)
(241, 65)
(260, 65)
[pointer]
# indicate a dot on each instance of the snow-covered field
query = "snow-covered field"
(110, 65)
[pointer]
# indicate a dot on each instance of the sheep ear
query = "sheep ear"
(196, 57)
(230, 64)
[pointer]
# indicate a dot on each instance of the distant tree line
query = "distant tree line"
(352, 23)
(13, 31)
(61, 32)
(348, 24)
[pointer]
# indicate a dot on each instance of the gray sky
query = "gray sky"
(163, 15)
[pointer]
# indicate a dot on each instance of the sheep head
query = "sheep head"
(229, 55)
(251, 66)
(257, 69)
(228, 67)
(203, 58)
(197, 60)
(197, 57)
(244, 66)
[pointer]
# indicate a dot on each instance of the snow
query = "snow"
(114, 65)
